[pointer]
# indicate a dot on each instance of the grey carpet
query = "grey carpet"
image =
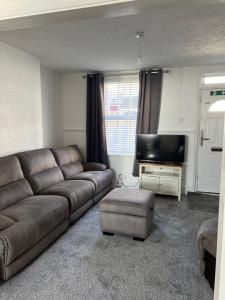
(84, 264)
(203, 202)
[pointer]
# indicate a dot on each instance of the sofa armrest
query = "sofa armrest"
(206, 240)
(207, 237)
(4, 223)
(93, 166)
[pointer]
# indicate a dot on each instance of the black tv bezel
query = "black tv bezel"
(168, 162)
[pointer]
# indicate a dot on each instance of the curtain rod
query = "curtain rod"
(165, 71)
(136, 73)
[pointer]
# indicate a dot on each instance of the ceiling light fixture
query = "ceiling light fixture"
(217, 106)
(139, 36)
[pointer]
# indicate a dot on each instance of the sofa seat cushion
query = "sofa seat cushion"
(33, 218)
(78, 192)
(101, 179)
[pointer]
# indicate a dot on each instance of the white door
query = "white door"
(210, 143)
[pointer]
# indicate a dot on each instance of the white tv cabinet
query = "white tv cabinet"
(162, 179)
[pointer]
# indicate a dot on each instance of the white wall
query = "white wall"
(20, 101)
(30, 103)
(179, 114)
(74, 110)
(51, 92)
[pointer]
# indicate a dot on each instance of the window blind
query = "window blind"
(121, 102)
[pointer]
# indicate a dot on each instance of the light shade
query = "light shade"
(217, 106)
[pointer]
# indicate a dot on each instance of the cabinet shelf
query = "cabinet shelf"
(159, 173)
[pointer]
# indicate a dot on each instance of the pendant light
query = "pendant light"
(139, 36)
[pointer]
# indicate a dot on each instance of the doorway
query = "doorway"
(210, 141)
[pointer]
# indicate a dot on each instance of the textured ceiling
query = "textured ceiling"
(173, 36)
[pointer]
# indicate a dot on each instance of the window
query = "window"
(121, 101)
(216, 79)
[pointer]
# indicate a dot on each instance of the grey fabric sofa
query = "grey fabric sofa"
(207, 245)
(71, 163)
(37, 202)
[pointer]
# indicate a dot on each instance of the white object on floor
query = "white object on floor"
(122, 181)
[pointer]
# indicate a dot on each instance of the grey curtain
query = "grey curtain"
(148, 105)
(96, 136)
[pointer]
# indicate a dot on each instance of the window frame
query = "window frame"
(123, 78)
(213, 75)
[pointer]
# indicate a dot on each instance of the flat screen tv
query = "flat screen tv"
(160, 148)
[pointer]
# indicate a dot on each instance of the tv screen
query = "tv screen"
(160, 148)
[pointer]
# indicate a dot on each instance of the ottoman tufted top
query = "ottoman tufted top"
(128, 201)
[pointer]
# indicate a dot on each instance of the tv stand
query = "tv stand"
(160, 178)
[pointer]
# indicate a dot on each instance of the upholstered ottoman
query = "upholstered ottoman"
(127, 211)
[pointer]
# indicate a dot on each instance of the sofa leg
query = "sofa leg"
(138, 239)
(108, 233)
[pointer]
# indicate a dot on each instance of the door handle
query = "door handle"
(216, 149)
(202, 139)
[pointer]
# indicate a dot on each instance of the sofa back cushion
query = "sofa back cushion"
(69, 159)
(13, 186)
(10, 170)
(40, 168)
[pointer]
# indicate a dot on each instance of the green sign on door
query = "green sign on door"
(217, 93)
